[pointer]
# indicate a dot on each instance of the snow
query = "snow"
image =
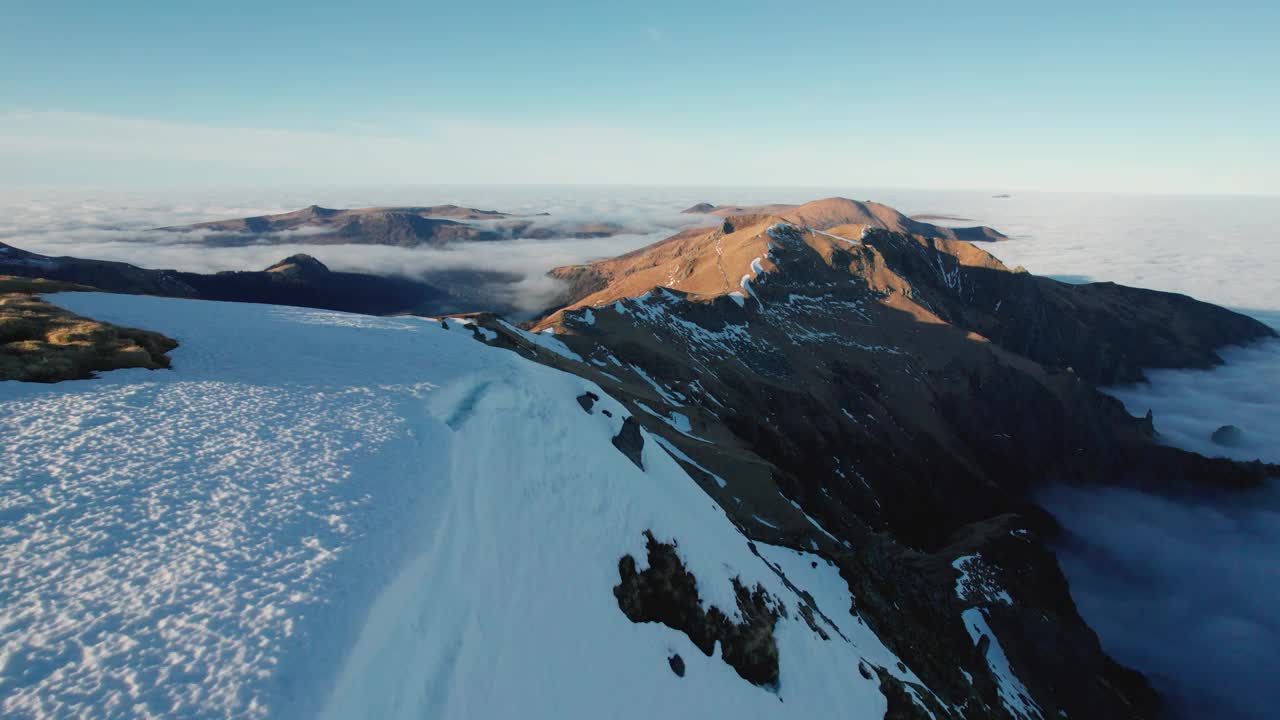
(830, 595)
(678, 421)
(661, 310)
(975, 583)
(662, 392)
(317, 514)
(1017, 700)
(545, 340)
(678, 454)
(809, 517)
(850, 241)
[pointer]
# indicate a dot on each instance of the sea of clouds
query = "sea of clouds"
(1180, 587)
(1183, 587)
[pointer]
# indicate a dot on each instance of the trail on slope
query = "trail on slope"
(720, 264)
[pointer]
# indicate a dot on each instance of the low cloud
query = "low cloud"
(1184, 587)
(122, 228)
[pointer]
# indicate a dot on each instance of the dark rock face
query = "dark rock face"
(677, 664)
(1228, 436)
(587, 400)
(1104, 332)
(630, 442)
(667, 593)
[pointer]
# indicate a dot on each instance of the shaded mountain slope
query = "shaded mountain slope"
(297, 280)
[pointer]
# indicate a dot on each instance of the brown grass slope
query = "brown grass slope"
(833, 211)
(41, 342)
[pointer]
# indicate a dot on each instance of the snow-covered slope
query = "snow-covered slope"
(317, 514)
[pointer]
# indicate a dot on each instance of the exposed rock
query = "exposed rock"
(630, 442)
(665, 592)
(677, 664)
(587, 400)
(1228, 436)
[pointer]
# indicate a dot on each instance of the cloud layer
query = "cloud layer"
(1183, 589)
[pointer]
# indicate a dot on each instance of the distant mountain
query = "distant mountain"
(315, 225)
(434, 226)
(831, 212)
(297, 280)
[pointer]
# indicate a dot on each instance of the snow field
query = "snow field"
(321, 514)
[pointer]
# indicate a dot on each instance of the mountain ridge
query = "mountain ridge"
(830, 212)
(900, 395)
(398, 226)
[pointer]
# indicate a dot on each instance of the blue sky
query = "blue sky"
(1152, 97)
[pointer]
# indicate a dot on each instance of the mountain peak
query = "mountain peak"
(300, 265)
(831, 212)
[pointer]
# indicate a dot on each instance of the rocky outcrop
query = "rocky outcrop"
(630, 442)
(1228, 436)
(665, 592)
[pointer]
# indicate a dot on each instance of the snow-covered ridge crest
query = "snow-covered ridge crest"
(321, 514)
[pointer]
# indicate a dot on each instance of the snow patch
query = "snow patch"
(1015, 696)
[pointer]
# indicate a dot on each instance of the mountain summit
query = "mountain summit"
(835, 211)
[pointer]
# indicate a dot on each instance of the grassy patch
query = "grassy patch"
(41, 342)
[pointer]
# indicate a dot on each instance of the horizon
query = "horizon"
(1144, 99)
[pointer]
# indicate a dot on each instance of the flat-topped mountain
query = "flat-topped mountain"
(831, 212)
(433, 225)
(315, 225)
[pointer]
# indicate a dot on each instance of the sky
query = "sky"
(1149, 97)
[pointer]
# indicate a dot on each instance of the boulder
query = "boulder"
(1228, 436)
